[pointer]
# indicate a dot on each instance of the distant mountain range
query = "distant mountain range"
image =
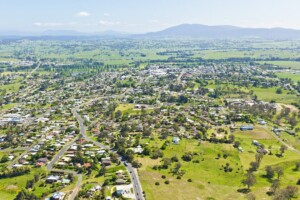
(225, 32)
(184, 30)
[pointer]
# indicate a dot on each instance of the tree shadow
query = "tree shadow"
(244, 190)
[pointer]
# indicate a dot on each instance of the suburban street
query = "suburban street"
(60, 153)
(135, 182)
(137, 188)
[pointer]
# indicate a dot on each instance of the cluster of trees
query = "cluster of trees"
(271, 172)
(30, 183)
(173, 99)
(8, 173)
(25, 195)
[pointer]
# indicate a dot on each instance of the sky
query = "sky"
(139, 16)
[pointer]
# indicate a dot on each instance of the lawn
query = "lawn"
(10, 88)
(293, 76)
(8, 106)
(207, 176)
(9, 187)
(269, 94)
(125, 107)
(209, 180)
(264, 94)
(285, 64)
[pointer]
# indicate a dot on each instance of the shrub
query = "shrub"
(167, 182)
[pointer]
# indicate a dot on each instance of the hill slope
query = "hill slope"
(224, 32)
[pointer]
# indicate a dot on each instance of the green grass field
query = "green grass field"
(293, 76)
(209, 181)
(285, 64)
(269, 94)
(10, 88)
(9, 187)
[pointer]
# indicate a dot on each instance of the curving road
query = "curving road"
(83, 132)
(137, 188)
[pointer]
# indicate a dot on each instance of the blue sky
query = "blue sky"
(138, 16)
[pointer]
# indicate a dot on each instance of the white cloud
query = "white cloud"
(108, 23)
(106, 14)
(53, 24)
(48, 24)
(83, 14)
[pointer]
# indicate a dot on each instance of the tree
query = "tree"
(129, 155)
(254, 166)
(124, 130)
(275, 185)
(231, 139)
(176, 168)
(188, 156)
(102, 171)
(250, 180)
(297, 166)
(25, 195)
(236, 144)
(279, 172)
(259, 157)
(279, 91)
(166, 162)
(21, 195)
(156, 154)
(286, 193)
(146, 132)
(36, 178)
(291, 191)
(174, 158)
(282, 149)
(146, 151)
(269, 172)
(29, 184)
(4, 158)
(182, 99)
(118, 114)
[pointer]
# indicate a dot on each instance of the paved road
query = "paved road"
(60, 153)
(180, 75)
(56, 158)
(77, 187)
(34, 70)
(78, 184)
(137, 188)
(14, 161)
(83, 132)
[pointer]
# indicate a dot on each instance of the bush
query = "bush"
(156, 183)
(189, 180)
(167, 182)
(163, 176)
(187, 157)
